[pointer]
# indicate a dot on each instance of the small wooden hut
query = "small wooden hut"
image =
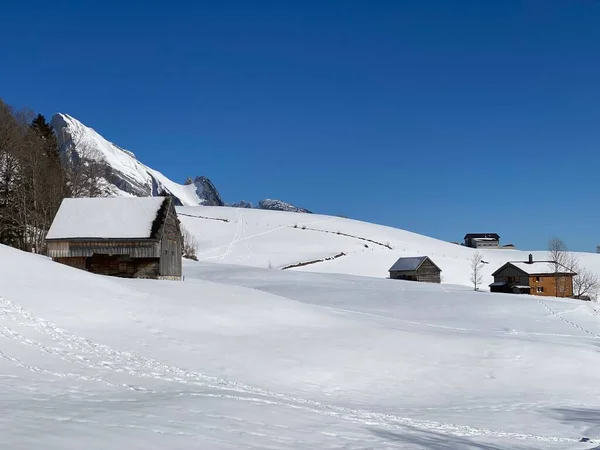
(131, 237)
(416, 268)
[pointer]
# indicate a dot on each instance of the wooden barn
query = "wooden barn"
(543, 278)
(129, 237)
(416, 268)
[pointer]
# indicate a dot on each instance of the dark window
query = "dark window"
(538, 279)
(540, 288)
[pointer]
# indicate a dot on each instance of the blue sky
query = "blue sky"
(440, 117)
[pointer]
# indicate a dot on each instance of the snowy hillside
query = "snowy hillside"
(280, 239)
(238, 357)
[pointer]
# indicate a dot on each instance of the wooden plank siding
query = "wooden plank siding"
(170, 246)
(546, 286)
(78, 262)
(428, 273)
(512, 275)
(123, 266)
(74, 249)
(403, 275)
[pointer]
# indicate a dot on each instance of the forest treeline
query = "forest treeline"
(34, 178)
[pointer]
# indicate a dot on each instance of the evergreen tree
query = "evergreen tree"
(45, 131)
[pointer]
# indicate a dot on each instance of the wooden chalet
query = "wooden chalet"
(129, 237)
(543, 278)
(482, 240)
(416, 268)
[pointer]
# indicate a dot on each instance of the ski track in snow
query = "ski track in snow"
(239, 231)
(79, 350)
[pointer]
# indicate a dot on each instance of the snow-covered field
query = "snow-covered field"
(276, 239)
(242, 356)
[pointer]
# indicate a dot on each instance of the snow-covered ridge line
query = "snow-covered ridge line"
(262, 238)
(127, 176)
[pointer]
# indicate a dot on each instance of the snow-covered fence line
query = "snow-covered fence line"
(386, 245)
(203, 217)
(314, 261)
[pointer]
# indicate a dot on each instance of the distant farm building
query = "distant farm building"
(482, 240)
(416, 268)
(543, 278)
(124, 237)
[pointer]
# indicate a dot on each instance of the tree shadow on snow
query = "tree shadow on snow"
(437, 441)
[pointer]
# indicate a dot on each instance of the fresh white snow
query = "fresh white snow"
(120, 217)
(276, 239)
(540, 267)
(242, 356)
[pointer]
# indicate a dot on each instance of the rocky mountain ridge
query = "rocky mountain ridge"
(122, 174)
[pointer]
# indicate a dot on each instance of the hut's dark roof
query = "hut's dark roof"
(482, 235)
(407, 264)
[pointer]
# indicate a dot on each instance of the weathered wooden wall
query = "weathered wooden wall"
(77, 262)
(513, 276)
(115, 265)
(403, 275)
(428, 273)
(170, 253)
(123, 266)
(73, 249)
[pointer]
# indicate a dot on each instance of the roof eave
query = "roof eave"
(96, 239)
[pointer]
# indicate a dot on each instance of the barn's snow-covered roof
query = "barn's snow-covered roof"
(408, 263)
(536, 268)
(541, 268)
(482, 235)
(105, 218)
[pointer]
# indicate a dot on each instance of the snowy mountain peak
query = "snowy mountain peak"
(208, 192)
(278, 205)
(123, 174)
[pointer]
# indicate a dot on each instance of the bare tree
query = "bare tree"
(476, 270)
(190, 245)
(84, 171)
(586, 282)
(561, 261)
(597, 248)
(557, 251)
